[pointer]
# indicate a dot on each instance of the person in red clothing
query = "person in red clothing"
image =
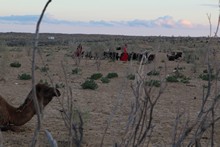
(124, 55)
(78, 51)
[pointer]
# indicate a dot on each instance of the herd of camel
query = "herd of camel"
(11, 117)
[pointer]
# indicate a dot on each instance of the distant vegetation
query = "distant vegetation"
(15, 64)
(24, 76)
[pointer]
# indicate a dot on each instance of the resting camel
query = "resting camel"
(11, 116)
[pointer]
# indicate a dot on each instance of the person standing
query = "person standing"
(77, 55)
(78, 51)
(124, 55)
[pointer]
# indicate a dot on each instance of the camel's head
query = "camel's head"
(46, 93)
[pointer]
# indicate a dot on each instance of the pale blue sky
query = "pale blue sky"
(139, 17)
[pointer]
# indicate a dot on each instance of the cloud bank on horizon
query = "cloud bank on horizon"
(164, 21)
(52, 25)
(124, 17)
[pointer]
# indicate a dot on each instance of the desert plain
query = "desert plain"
(110, 104)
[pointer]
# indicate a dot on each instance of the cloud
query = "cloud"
(165, 22)
(161, 22)
(185, 23)
(23, 19)
(164, 25)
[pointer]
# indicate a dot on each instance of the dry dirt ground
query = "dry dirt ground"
(97, 105)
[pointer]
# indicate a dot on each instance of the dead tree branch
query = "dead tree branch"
(36, 105)
(206, 118)
(140, 121)
(71, 115)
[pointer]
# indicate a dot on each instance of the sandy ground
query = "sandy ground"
(97, 105)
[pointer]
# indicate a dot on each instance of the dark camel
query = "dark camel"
(11, 116)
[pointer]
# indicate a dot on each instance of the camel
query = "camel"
(11, 116)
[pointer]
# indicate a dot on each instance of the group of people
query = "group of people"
(124, 56)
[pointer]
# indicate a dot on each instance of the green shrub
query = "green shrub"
(89, 84)
(178, 77)
(96, 76)
(179, 68)
(112, 75)
(172, 79)
(76, 71)
(185, 80)
(205, 76)
(15, 64)
(151, 83)
(131, 77)
(24, 76)
(105, 80)
(206, 71)
(44, 69)
(153, 73)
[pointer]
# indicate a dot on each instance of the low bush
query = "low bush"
(76, 71)
(178, 78)
(205, 76)
(206, 71)
(179, 68)
(96, 76)
(89, 84)
(185, 80)
(151, 83)
(153, 73)
(131, 77)
(172, 79)
(112, 75)
(105, 80)
(44, 69)
(24, 76)
(15, 64)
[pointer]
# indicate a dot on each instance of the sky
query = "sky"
(114, 17)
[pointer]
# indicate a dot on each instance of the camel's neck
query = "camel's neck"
(21, 115)
(24, 113)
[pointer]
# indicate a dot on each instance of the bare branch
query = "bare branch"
(210, 24)
(36, 105)
(52, 142)
(218, 20)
